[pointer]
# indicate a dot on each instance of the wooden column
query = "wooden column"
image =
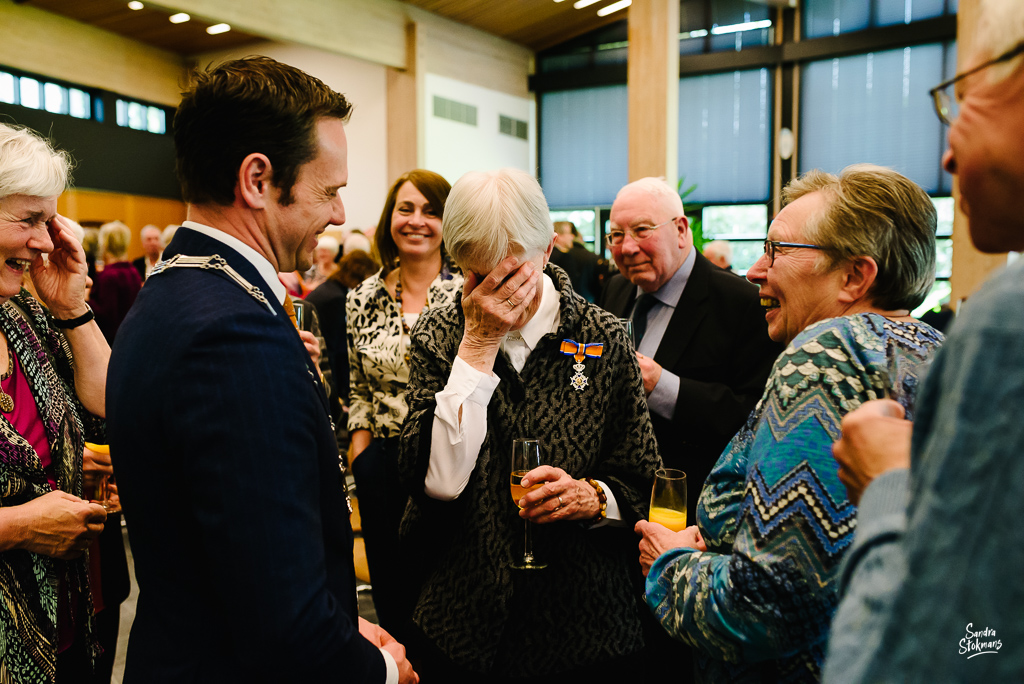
(653, 79)
(971, 268)
(405, 111)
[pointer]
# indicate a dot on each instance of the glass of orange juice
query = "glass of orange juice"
(668, 499)
(101, 495)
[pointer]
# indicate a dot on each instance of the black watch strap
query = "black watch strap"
(68, 324)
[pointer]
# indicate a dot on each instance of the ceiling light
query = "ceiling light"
(179, 18)
(614, 7)
(135, 5)
(736, 28)
(580, 4)
(217, 28)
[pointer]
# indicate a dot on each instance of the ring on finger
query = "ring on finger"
(511, 305)
(560, 504)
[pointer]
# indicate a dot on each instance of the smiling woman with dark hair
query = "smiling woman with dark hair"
(380, 314)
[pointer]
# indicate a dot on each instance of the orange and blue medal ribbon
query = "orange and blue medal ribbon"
(580, 351)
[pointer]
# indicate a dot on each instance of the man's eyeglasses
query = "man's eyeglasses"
(639, 234)
(772, 246)
(944, 94)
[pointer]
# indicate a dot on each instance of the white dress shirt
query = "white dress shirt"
(455, 443)
(269, 275)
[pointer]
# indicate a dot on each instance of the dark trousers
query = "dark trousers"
(381, 505)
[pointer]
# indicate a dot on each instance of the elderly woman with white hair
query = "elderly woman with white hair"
(522, 356)
(51, 398)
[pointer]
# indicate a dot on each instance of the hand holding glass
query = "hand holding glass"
(101, 492)
(525, 457)
(668, 499)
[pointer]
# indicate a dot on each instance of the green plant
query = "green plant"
(689, 210)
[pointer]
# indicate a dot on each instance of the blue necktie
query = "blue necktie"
(643, 306)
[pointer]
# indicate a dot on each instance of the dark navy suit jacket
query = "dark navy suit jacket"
(717, 343)
(228, 473)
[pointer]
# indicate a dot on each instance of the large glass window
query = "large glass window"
(876, 108)
(584, 134)
(832, 17)
(140, 117)
(743, 226)
(724, 136)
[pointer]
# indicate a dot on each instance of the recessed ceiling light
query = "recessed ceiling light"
(580, 4)
(217, 28)
(614, 7)
(179, 18)
(135, 5)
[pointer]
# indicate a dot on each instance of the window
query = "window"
(52, 97)
(875, 108)
(724, 136)
(743, 226)
(140, 117)
(585, 135)
(832, 17)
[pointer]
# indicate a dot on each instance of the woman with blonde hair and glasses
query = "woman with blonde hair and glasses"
(753, 585)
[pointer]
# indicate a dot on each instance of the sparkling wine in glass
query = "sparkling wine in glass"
(525, 457)
(668, 499)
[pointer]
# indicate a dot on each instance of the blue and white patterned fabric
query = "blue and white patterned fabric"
(774, 515)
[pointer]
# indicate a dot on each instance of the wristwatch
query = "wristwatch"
(68, 324)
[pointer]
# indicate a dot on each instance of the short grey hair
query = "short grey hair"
(29, 165)
(1000, 29)
(491, 214)
(876, 212)
(658, 190)
(149, 229)
(114, 239)
(329, 243)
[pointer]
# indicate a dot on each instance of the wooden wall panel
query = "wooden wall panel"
(653, 74)
(91, 206)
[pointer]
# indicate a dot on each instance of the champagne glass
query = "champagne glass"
(668, 499)
(101, 494)
(627, 323)
(525, 457)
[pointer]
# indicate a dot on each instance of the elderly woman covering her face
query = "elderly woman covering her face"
(845, 262)
(51, 394)
(504, 363)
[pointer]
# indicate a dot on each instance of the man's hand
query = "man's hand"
(94, 466)
(657, 539)
(876, 438)
(651, 372)
(59, 525)
(312, 346)
(384, 641)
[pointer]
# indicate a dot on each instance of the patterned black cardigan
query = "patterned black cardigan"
(29, 581)
(583, 607)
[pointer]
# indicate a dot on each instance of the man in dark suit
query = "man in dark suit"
(584, 268)
(704, 352)
(152, 247)
(225, 455)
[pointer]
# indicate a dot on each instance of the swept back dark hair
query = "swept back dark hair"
(245, 106)
(433, 187)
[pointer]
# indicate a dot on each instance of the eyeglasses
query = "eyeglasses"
(944, 96)
(771, 247)
(639, 234)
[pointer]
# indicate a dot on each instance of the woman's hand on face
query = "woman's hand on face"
(60, 525)
(657, 539)
(560, 498)
(60, 280)
(492, 306)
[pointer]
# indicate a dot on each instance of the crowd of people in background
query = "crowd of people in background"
(853, 476)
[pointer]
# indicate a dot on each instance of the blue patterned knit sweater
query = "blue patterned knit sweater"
(757, 604)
